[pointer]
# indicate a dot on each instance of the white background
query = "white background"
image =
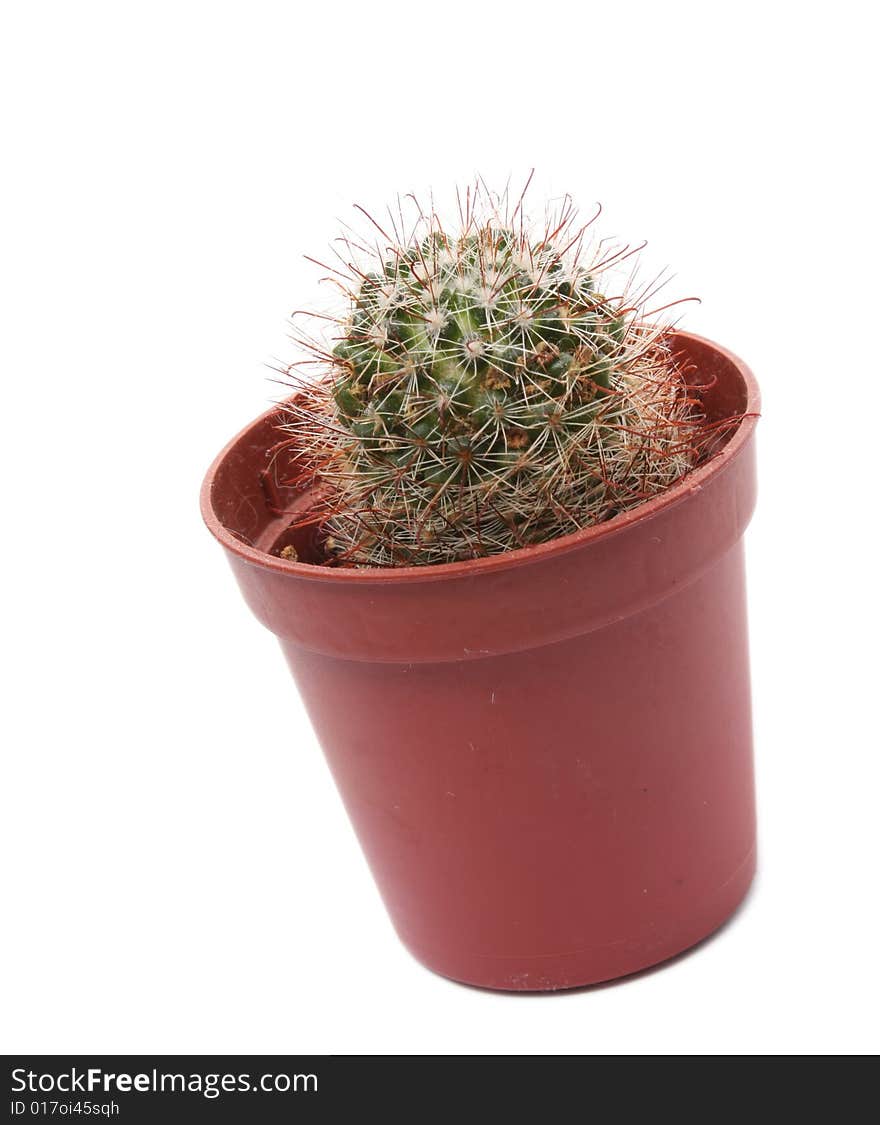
(178, 871)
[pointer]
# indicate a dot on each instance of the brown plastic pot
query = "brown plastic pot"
(546, 754)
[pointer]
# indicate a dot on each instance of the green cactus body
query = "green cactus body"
(482, 394)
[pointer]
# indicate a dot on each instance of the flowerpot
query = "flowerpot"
(546, 754)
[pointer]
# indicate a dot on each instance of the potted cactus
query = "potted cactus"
(497, 527)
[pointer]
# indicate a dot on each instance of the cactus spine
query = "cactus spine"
(485, 390)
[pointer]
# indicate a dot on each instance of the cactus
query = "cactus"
(484, 390)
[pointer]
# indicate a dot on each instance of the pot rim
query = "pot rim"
(522, 556)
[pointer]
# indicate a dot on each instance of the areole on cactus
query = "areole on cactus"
(484, 388)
